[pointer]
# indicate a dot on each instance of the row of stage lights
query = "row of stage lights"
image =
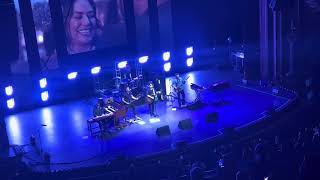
(166, 56)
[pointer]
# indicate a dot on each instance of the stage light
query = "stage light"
(190, 61)
(44, 96)
(122, 64)
(96, 70)
(166, 56)
(10, 103)
(141, 122)
(9, 90)
(167, 67)
(43, 83)
(154, 120)
(72, 75)
(189, 51)
(40, 39)
(143, 59)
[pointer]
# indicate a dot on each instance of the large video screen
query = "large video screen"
(165, 24)
(45, 36)
(142, 25)
(19, 65)
(93, 24)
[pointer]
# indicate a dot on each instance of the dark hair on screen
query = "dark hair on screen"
(67, 9)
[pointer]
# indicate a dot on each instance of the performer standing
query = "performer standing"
(178, 84)
(152, 99)
(128, 99)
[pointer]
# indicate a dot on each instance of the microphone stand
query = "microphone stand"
(39, 136)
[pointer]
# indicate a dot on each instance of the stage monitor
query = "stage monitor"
(93, 24)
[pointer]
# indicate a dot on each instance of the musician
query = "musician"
(99, 108)
(178, 84)
(151, 99)
(128, 99)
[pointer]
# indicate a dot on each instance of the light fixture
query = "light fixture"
(72, 75)
(9, 90)
(96, 70)
(189, 51)
(143, 59)
(167, 67)
(44, 96)
(10, 103)
(166, 56)
(189, 61)
(122, 64)
(43, 83)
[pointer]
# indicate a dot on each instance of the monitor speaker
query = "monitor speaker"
(185, 124)
(163, 131)
(212, 117)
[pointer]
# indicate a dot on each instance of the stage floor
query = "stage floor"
(66, 138)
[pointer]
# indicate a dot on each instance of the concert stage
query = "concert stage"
(66, 138)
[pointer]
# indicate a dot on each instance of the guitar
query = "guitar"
(131, 100)
(179, 87)
(150, 99)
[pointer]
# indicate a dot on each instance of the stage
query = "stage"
(62, 132)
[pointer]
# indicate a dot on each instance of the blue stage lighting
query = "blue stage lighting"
(154, 120)
(10, 103)
(122, 64)
(167, 67)
(190, 61)
(9, 90)
(43, 83)
(189, 51)
(72, 75)
(143, 59)
(44, 96)
(166, 56)
(96, 70)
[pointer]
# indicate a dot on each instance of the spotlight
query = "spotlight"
(9, 90)
(167, 67)
(43, 83)
(154, 120)
(166, 56)
(189, 51)
(143, 59)
(40, 38)
(96, 70)
(10, 103)
(44, 96)
(190, 61)
(72, 75)
(122, 64)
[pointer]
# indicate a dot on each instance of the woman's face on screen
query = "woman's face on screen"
(82, 23)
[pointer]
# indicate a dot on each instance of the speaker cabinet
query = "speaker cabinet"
(185, 124)
(163, 131)
(212, 117)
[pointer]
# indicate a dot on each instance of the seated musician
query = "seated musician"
(151, 99)
(99, 108)
(128, 99)
(178, 84)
